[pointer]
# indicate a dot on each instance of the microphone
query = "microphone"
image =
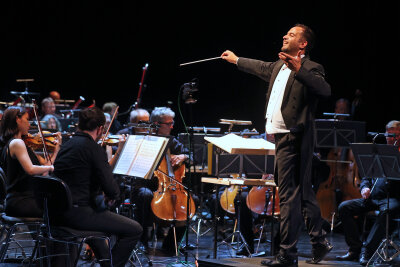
(384, 134)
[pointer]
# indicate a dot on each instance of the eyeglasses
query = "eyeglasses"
(168, 123)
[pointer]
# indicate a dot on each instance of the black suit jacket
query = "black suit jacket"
(299, 101)
(301, 92)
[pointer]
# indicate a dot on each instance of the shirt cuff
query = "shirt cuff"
(237, 60)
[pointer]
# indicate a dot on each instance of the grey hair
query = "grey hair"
(159, 112)
(392, 124)
(136, 113)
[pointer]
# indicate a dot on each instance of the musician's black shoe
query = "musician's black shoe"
(281, 261)
(349, 256)
(319, 251)
(364, 258)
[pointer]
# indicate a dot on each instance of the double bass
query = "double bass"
(343, 178)
(170, 200)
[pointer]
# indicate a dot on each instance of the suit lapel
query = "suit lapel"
(289, 84)
(275, 72)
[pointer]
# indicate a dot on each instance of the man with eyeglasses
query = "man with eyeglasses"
(143, 192)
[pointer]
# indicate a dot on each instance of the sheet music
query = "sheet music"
(232, 142)
(128, 154)
(147, 155)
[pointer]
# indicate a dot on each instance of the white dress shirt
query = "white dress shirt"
(275, 123)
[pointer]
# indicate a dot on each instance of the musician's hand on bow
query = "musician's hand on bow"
(58, 140)
(177, 160)
(229, 56)
(293, 63)
(365, 193)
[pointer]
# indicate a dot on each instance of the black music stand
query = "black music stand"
(334, 133)
(381, 162)
(338, 133)
(225, 164)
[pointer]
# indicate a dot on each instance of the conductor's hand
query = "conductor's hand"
(293, 63)
(229, 56)
(365, 193)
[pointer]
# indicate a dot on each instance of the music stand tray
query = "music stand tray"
(379, 161)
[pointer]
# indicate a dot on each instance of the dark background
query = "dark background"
(96, 49)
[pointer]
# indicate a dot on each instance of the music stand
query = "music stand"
(381, 162)
(338, 133)
(333, 134)
(231, 156)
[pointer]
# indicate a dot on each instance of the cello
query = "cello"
(170, 200)
(260, 199)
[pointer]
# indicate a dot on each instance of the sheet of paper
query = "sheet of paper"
(232, 141)
(128, 154)
(147, 155)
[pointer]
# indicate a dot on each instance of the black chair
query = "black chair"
(10, 227)
(55, 197)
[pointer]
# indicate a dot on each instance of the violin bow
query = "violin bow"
(109, 126)
(46, 153)
(138, 100)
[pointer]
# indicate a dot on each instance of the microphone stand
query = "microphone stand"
(189, 182)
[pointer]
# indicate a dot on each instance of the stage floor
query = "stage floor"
(226, 257)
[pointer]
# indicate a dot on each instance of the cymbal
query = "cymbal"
(234, 122)
(24, 93)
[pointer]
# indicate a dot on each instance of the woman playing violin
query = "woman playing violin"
(20, 163)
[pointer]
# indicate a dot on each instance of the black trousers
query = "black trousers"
(23, 205)
(298, 203)
(350, 208)
(127, 231)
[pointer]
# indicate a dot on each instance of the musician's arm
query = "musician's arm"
(19, 151)
(103, 171)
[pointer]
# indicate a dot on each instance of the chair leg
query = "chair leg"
(6, 242)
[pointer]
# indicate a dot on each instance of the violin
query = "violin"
(34, 141)
(170, 200)
(112, 140)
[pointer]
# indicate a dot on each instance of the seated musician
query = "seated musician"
(143, 194)
(109, 107)
(49, 108)
(373, 198)
(82, 164)
(136, 115)
(20, 163)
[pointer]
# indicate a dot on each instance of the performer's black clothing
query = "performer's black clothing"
(83, 165)
(376, 201)
(294, 150)
(20, 200)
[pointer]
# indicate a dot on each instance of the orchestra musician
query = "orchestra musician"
(296, 83)
(20, 163)
(82, 163)
(373, 198)
(109, 107)
(164, 117)
(49, 114)
(136, 115)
